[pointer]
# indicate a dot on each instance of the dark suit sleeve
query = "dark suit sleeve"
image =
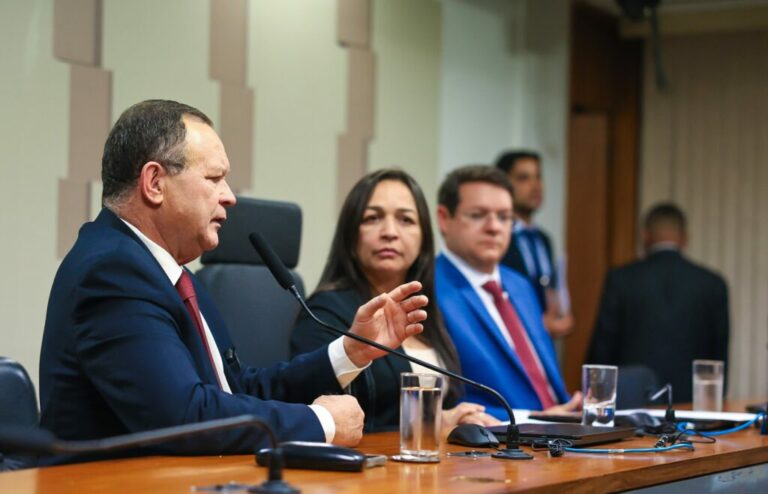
(606, 337)
(308, 335)
(720, 323)
(377, 389)
(130, 347)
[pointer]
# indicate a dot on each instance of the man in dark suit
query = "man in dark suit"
(490, 310)
(530, 251)
(133, 341)
(662, 311)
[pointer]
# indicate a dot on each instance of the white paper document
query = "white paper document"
(683, 415)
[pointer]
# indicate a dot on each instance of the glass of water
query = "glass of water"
(708, 385)
(598, 384)
(421, 404)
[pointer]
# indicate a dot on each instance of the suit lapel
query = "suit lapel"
(187, 329)
(485, 322)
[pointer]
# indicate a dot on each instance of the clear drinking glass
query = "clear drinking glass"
(598, 384)
(421, 403)
(708, 385)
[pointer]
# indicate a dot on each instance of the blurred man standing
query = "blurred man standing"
(662, 311)
(530, 251)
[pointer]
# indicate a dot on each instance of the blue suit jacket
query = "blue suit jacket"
(121, 354)
(485, 355)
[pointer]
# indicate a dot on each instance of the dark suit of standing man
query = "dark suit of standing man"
(662, 311)
(133, 342)
(530, 249)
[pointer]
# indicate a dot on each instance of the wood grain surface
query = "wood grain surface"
(573, 473)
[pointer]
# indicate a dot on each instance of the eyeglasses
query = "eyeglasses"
(480, 217)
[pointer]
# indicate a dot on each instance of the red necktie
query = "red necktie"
(187, 292)
(523, 347)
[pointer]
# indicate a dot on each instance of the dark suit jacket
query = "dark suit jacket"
(378, 388)
(514, 259)
(121, 354)
(484, 353)
(662, 312)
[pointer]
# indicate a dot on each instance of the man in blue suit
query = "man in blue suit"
(491, 311)
(133, 342)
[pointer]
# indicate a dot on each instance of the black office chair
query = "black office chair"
(18, 407)
(634, 386)
(258, 312)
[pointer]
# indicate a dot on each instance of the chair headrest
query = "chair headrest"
(279, 223)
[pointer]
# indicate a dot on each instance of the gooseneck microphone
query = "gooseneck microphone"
(285, 280)
(42, 442)
(669, 415)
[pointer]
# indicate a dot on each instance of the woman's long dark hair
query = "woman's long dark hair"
(342, 270)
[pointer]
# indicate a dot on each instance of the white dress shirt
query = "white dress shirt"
(421, 351)
(346, 371)
(414, 348)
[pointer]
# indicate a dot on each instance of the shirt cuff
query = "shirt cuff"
(326, 421)
(346, 371)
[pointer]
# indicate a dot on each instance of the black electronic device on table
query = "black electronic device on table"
(639, 420)
(321, 456)
(474, 436)
(577, 434)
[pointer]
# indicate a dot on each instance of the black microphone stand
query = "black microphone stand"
(668, 425)
(40, 441)
(285, 279)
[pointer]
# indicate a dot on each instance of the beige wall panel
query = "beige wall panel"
(159, 50)
(228, 40)
(74, 209)
(704, 147)
(298, 73)
(504, 84)
(406, 41)
(34, 90)
(236, 132)
(77, 31)
(353, 155)
(89, 120)
(354, 23)
(655, 179)
(361, 92)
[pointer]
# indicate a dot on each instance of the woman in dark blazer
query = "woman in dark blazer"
(383, 238)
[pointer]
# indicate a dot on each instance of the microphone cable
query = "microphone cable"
(687, 427)
(558, 447)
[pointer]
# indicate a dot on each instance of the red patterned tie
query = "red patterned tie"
(523, 347)
(187, 292)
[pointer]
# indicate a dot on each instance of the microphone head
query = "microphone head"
(273, 263)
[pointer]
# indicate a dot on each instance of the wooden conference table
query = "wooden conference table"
(587, 473)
